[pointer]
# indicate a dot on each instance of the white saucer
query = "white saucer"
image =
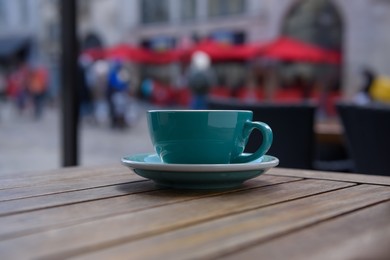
(197, 176)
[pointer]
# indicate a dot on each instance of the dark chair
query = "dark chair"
(292, 126)
(367, 130)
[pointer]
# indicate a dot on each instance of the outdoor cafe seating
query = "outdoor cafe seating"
(292, 125)
(367, 129)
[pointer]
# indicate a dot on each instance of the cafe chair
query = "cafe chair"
(292, 126)
(367, 131)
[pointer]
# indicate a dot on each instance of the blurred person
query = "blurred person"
(3, 86)
(182, 92)
(376, 88)
(251, 92)
(221, 90)
(147, 86)
(303, 84)
(363, 96)
(85, 93)
(163, 94)
(98, 80)
(200, 79)
(298, 90)
(380, 89)
(17, 86)
(3, 89)
(37, 88)
(117, 94)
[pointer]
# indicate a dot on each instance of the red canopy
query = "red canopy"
(283, 48)
(95, 53)
(141, 55)
(223, 51)
(290, 49)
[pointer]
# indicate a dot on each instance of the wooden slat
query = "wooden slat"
(226, 235)
(67, 186)
(59, 199)
(152, 221)
(350, 177)
(73, 177)
(364, 234)
(60, 171)
(82, 212)
(69, 171)
(83, 195)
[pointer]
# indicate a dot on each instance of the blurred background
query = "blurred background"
(141, 54)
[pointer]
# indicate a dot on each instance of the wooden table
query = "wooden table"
(111, 213)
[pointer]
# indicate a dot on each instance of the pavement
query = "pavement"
(34, 145)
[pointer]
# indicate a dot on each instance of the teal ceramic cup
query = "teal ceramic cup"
(205, 136)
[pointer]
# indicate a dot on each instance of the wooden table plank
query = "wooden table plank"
(84, 195)
(67, 198)
(70, 177)
(37, 220)
(72, 170)
(225, 235)
(66, 186)
(363, 234)
(152, 221)
(350, 177)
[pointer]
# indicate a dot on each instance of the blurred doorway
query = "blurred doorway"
(318, 22)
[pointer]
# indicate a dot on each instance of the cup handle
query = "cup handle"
(266, 131)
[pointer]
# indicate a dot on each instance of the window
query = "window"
(188, 10)
(317, 22)
(225, 7)
(84, 7)
(24, 11)
(2, 12)
(155, 11)
(229, 37)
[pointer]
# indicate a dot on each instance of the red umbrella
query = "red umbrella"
(141, 55)
(94, 53)
(222, 51)
(124, 52)
(290, 49)
(163, 57)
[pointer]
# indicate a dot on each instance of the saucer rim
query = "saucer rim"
(253, 165)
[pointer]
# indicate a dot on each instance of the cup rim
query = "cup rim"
(197, 111)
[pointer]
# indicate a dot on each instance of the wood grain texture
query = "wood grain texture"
(72, 170)
(148, 214)
(66, 186)
(109, 212)
(71, 197)
(363, 234)
(225, 235)
(61, 176)
(84, 195)
(349, 177)
(44, 219)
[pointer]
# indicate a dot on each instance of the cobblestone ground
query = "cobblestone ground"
(30, 145)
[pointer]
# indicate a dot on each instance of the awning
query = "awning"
(11, 45)
(224, 52)
(283, 48)
(289, 49)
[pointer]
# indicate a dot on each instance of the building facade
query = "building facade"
(361, 26)
(360, 30)
(19, 29)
